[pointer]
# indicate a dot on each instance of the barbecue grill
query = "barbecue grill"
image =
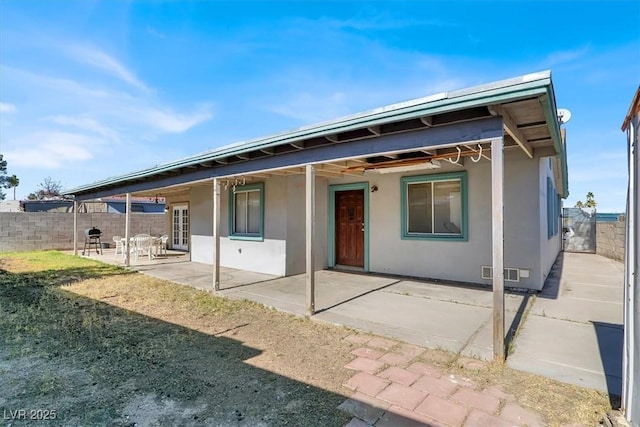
(92, 238)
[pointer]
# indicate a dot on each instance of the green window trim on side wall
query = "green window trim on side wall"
(259, 236)
(406, 181)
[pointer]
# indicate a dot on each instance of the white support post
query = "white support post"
(216, 235)
(497, 225)
(75, 227)
(310, 225)
(127, 231)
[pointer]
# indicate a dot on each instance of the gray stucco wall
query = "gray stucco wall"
(282, 251)
(461, 261)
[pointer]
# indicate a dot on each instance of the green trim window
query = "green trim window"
(553, 210)
(434, 207)
(246, 212)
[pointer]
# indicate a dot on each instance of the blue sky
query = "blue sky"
(93, 89)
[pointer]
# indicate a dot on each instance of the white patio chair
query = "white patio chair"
(119, 246)
(163, 244)
(143, 245)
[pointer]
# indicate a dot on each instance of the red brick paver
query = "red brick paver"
(410, 350)
(437, 386)
(402, 396)
(424, 369)
(399, 375)
(381, 343)
(400, 417)
(443, 410)
(463, 381)
(476, 400)
(395, 359)
(390, 395)
(363, 364)
(366, 383)
(478, 418)
(367, 352)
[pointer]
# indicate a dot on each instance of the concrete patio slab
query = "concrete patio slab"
(578, 353)
(571, 331)
(574, 331)
(421, 321)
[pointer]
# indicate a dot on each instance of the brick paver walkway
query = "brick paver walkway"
(394, 389)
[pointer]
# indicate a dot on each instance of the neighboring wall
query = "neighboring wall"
(23, 231)
(610, 239)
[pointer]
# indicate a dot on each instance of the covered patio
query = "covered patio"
(316, 183)
(412, 310)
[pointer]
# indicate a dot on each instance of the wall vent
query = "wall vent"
(510, 274)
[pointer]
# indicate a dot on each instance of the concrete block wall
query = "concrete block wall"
(610, 239)
(26, 231)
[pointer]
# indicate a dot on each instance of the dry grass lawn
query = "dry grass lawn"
(101, 345)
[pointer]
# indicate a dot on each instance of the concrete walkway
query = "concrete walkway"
(571, 331)
(574, 331)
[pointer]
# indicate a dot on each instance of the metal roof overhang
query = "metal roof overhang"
(441, 120)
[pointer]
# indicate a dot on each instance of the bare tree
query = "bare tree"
(48, 189)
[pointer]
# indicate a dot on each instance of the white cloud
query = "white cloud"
(168, 121)
(565, 56)
(85, 123)
(101, 60)
(5, 107)
(51, 150)
(137, 113)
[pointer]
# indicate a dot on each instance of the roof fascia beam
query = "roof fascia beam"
(438, 136)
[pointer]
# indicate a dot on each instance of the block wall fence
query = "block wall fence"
(610, 239)
(26, 231)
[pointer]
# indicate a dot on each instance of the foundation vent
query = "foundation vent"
(510, 274)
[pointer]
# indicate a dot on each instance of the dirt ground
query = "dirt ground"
(99, 345)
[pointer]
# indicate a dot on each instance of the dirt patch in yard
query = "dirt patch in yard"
(100, 345)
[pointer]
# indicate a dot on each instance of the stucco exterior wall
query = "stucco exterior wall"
(459, 260)
(282, 252)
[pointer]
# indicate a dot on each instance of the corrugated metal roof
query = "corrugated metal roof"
(535, 84)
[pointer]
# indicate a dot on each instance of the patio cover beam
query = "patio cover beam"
(216, 235)
(310, 225)
(127, 230)
(440, 136)
(497, 245)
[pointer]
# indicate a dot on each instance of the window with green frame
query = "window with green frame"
(434, 207)
(246, 212)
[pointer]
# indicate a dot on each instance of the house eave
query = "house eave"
(536, 85)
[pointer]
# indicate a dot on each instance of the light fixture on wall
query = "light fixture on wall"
(374, 188)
